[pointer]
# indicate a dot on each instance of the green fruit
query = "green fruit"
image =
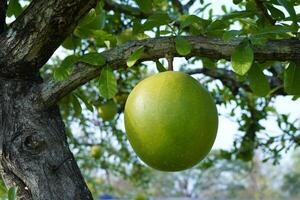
(140, 196)
(96, 151)
(171, 121)
(108, 110)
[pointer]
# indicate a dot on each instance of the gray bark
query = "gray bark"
(155, 48)
(35, 154)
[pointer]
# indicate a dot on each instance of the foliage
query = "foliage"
(248, 95)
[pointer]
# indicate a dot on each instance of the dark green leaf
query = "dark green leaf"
(12, 193)
(193, 19)
(155, 21)
(160, 67)
(69, 61)
(107, 83)
(145, 6)
(292, 79)
(209, 63)
(288, 5)
(183, 47)
(237, 15)
(275, 13)
(229, 35)
(237, 1)
(242, 58)
(90, 16)
(272, 30)
(85, 100)
(217, 25)
(71, 42)
(93, 59)
(76, 106)
(14, 8)
(258, 81)
(135, 56)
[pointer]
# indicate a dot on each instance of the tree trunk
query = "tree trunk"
(34, 152)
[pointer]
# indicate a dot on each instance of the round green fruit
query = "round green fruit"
(108, 110)
(171, 121)
(96, 151)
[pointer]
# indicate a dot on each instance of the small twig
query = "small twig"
(189, 4)
(264, 12)
(179, 6)
(170, 62)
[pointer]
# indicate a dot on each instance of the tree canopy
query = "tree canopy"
(246, 55)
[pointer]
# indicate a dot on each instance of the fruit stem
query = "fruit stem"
(170, 62)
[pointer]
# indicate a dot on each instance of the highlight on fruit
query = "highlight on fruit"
(171, 121)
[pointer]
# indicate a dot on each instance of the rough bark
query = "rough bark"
(31, 40)
(35, 154)
(281, 50)
(3, 7)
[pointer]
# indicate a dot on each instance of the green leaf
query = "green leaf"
(183, 47)
(237, 1)
(229, 35)
(275, 13)
(292, 79)
(93, 58)
(135, 56)
(155, 21)
(272, 30)
(85, 100)
(14, 8)
(76, 106)
(242, 58)
(69, 61)
(192, 19)
(288, 5)
(217, 25)
(258, 81)
(12, 193)
(145, 6)
(71, 42)
(160, 67)
(90, 16)
(107, 83)
(209, 63)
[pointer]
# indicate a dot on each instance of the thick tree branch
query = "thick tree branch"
(281, 50)
(264, 12)
(37, 33)
(3, 7)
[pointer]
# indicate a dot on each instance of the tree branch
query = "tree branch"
(155, 48)
(189, 4)
(37, 33)
(126, 9)
(179, 6)
(264, 12)
(228, 79)
(3, 7)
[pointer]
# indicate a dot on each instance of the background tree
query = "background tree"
(108, 42)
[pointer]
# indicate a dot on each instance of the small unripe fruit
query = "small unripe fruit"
(171, 121)
(96, 152)
(108, 110)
